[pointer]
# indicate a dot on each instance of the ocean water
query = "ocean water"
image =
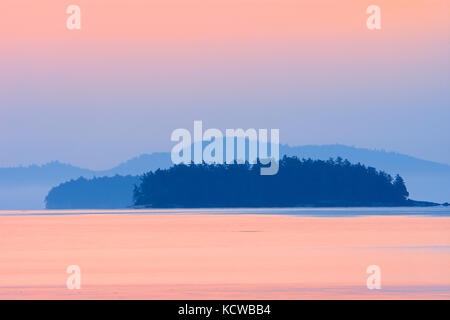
(266, 253)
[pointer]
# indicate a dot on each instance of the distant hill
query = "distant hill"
(381, 159)
(50, 173)
(26, 187)
(139, 165)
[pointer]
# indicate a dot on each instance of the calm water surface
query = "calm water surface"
(264, 253)
(439, 211)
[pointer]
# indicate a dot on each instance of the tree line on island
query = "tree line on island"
(299, 182)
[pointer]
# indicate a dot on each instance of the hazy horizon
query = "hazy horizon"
(103, 168)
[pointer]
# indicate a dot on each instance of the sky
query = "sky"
(137, 70)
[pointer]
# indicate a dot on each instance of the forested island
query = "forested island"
(97, 193)
(299, 182)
